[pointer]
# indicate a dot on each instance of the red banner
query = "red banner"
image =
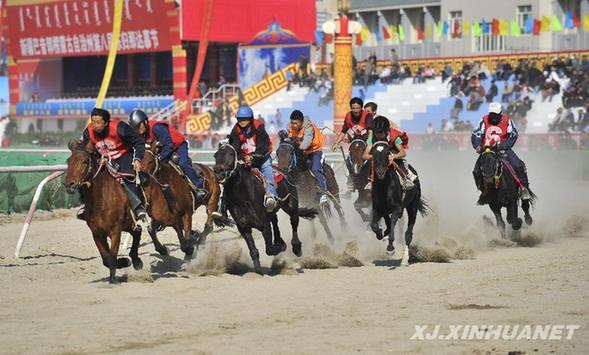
(84, 27)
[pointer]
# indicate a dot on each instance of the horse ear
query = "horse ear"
(74, 144)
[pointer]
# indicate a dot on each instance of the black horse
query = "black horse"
(244, 195)
(389, 200)
(502, 190)
(292, 162)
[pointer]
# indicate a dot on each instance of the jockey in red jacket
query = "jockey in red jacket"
(498, 131)
(174, 146)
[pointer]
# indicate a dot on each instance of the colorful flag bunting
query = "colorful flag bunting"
(556, 26)
(515, 30)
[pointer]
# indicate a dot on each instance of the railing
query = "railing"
(171, 112)
(224, 92)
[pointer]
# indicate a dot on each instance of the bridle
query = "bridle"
(293, 160)
(498, 167)
(236, 163)
(87, 178)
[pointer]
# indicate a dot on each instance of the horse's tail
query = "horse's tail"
(307, 213)
(222, 221)
(423, 207)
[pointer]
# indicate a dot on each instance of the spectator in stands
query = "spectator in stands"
(430, 129)
(549, 89)
(447, 125)
(221, 81)
(278, 118)
(492, 91)
(475, 99)
(447, 72)
(454, 84)
(202, 87)
(227, 112)
(362, 94)
(385, 76)
(419, 75)
(458, 107)
(303, 64)
(394, 58)
(507, 90)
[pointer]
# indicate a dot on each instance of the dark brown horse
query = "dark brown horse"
(359, 171)
(171, 204)
(292, 162)
(107, 210)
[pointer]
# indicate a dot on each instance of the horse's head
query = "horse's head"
(380, 158)
(150, 162)
(357, 147)
(286, 156)
(225, 162)
(489, 164)
(79, 165)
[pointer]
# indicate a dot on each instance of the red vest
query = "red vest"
(112, 147)
(394, 134)
(248, 145)
(495, 134)
(356, 129)
(177, 137)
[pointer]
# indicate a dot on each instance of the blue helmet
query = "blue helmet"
(244, 112)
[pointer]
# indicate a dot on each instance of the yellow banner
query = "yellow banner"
(112, 53)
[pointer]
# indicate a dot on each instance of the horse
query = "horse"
(503, 191)
(359, 171)
(292, 162)
(244, 193)
(170, 202)
(389, 200)
(107, 210)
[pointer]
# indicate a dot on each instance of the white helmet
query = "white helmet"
(495, 107)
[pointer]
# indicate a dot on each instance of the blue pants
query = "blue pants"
(317, 160)
(186, 164)
(124, 164)
(268, 173)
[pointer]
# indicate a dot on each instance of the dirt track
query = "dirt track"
(56, 300)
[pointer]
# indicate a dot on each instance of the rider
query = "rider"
(357, 125)
(397, 140)
(308, 137)
(174, 146)
(497, 130)
(117, 143)
(253, 145)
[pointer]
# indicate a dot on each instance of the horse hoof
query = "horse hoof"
(528, 220)
(518, 224)
(123, 263)
(137, 264)
(390, 248)
(379, 235)
(296, 249)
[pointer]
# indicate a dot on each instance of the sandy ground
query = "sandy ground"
(345, 298)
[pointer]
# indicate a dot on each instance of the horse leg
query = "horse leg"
(358, 208)
(114, 263)
(340, 213)
(512, 216)
(184, 236)
(159, 247)
(387, 222)
(394, 217)
(278, 241)
(103, 249)
(412, 217)
(246, 234)
(527, 215)
(375, 225)
(323, 221)
(134, 253)
(500, 223)
(271, 248)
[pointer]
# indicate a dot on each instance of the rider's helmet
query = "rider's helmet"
(136, 117)
(495, 113)
(244, 113)
(380, 124)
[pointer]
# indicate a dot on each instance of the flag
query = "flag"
(556, 26)
(486, 27)
(428, 31)
(476, 29)
(537, 25)
(495, 27)
(576, 21)
(446, 28)
(568, 20)
(319, 37)
(503, 28)
(586, 22)
(401, 33)
(394, 33)
(359, 39)
(439, 29)
(515, 30)
(456, 30)
(420, 34)
(545, 25)
(466, 28)
(530, 24)
(328, 38)
(385, 33)
(377, 33)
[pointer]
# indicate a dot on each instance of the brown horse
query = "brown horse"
(107, 210)
(175, 210)
(359, 171)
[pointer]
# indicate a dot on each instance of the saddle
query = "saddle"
(278, 175)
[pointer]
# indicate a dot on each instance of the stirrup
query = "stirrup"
(81, 214)
(270, 203)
